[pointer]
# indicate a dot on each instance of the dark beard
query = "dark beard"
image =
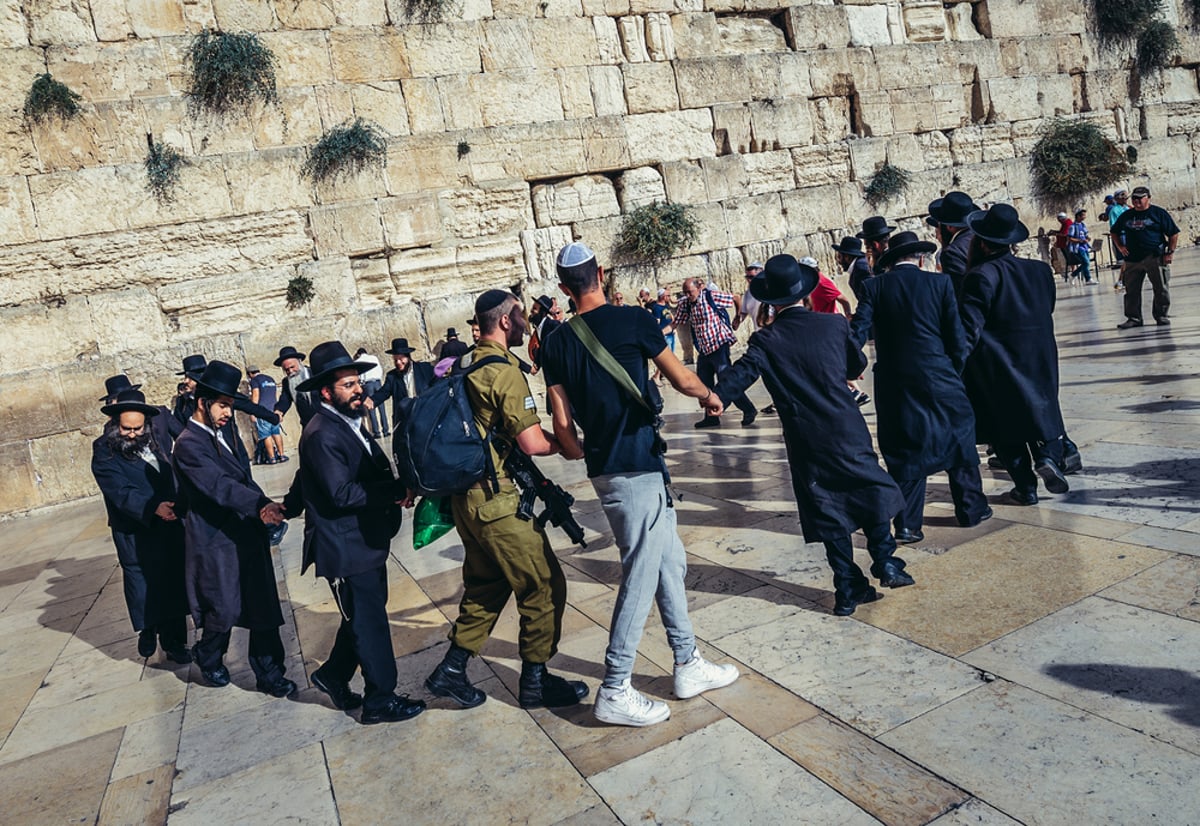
(346, 410)
(128, 448)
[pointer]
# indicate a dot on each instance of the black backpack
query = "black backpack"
(438, 448)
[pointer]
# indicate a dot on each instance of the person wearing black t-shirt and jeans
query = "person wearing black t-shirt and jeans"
(624, 461)
(1146, 236)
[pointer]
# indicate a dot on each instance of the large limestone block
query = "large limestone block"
(21, 66)
(360, 55)
(575, 89)
(110, 18)
(645, 6)
(684, 182)
(866, 156)
(563, 41)
(1011, 99)
(123, 320)
(608, 90)
(506, 45)
(934, 148)
(913, 110)
(977, 59)
(303, 57)
(491, 263)
(156, 18)
(633, 39)
(824, 164)
(601, 234)
(60, 480)
(517, 96)
(705, 81)
(266, 181)
(901, 67)
(18, 490)
(814, 26)
(1071, 16)
(425, 272)
(749, 35)
(373, 283)
(1182, 119)
(984, 181)
(695, 35)
(754, 219)
(333, 284)
(604, 144)
(1057, 95)
(769, 172)
(838, 72)
(360, 12)
(305, 14)
(411, 221)
(229, 303)
(960, 22)
(244, 15)
(780, 124)
(725, 177)
(424, 105)
(17, 221)
(491, 211)
(924, 21)
(30, 415)
(13, 33)
(53, 331)
(422, 162)
(731, 128)
(461, 103)
(294, 121)
(1014, 18)
(608, 40)
(114, 132)
(520, 152)
(351, 229)
(460, 10)
(202, 192)
(59, 22)
(541, 247)
(382, 102)
(443, 49)
(831, 118)
(640, 186)
(110, 71)
(575, 199)
(65, 202)
(868, 25)
(660, 37)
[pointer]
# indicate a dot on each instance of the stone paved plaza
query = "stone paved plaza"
(1044, 670)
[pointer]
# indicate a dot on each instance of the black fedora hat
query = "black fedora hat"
(1000, 224)
(874, 228)
(113, 385)
(286, 353)
(451, 333)
(952, 209)
(193, 366)
(783, 281)
(220, 379)
(902, 244)
(849, 245)
(327, 358)
(129, 400)
(400, 348)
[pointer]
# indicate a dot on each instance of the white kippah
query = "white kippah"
(809, 261)
(574, 254)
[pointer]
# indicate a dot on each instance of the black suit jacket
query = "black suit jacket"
(394, 388)
(132, 488)
(953, 258)
(348, 495)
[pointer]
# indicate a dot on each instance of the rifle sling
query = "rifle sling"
(606, 360)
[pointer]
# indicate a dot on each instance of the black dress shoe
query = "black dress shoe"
(1129, 324)
(1052, 477)
(448, 680)
(769, 410)
(339, 693)
(398, 708)
(748, 418)
(708, 421)
(995, 464)
(147, 642)
(1163, 322)
(983, 517)
(1072, 463)
(844, 608)
(896, 578)
(283, 687)
(907, 537)
(177, 653)
(218, 677)
(540, 688)
(1018, 498)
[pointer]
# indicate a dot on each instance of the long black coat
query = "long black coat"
(953, 258)
(804, 359)
(230, 576)
(348, 494)
(925, 419)
(1007, 307)
(185, 408)
(132, 491)
(394, 388)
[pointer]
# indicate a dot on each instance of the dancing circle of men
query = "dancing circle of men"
(965, 355)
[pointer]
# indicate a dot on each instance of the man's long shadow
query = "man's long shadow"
(1161, 686)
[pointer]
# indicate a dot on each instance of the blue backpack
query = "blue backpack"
(438, 448)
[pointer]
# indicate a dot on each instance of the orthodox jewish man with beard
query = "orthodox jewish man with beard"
(131, 466)
(353, 505)
(230, 575)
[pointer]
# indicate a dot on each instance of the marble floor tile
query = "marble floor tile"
(291, 788)
(1002, 581)
(1134, 666)
(149, 744)
(758, 704)
(721, 774)
(60, 785)
(893, 789)
(1177, 541)
(598, 815)
(84, 675)
(974, 813)
(140, 799)
(1044, 762)
(1172, 587)
(16, 690)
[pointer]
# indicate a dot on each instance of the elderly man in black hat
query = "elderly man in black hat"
(295, 372)
(166, 428)
(352, 504)
(874, 235)
(1011, 376)
(804, 359)
(406, 379)
(925, 420)
(949, 216)
(132, 467)
(230, 574)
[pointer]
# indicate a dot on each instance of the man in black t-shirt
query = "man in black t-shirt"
(625, 464)
(1146, 236)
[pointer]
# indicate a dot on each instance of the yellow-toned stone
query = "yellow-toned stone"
(110, 71)
(368, 54)
(443, 49)
(305, 14)
(61, 786)
(244, 15)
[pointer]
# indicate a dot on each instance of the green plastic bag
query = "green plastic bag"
(431, 521)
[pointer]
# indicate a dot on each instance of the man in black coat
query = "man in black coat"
(405, 380)
(352, 504)
(295, 374)
(185, 408)
(131, 464)
(949, 214)
(804, 359)
(925, 420)
(230, 574)
(874, 235)
(1007, 307)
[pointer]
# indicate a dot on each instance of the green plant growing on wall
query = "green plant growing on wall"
(1120, 20)
(49, 98)
(346, 150)
(164, 163)
(888, 183)
(1071, 160)
(229, 71)
(1156, 46)
(300, 291)
(464, 149)
(656, 231)
(427, 11)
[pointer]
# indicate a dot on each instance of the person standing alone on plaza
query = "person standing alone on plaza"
(1146, 236)
(705, 310)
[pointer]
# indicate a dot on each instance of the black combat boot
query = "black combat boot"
(449, 679)
(541, 688)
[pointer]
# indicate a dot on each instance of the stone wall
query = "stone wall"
(514, 127)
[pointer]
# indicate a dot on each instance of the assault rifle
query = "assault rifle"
(534, 485)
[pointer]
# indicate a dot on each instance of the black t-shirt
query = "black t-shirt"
(618, 432)
(1146, 231)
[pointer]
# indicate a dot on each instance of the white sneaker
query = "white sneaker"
(698, 675)
(626, 706)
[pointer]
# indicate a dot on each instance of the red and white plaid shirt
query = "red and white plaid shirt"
(709, 331)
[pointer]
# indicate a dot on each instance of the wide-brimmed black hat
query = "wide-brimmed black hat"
(999, 225)
(952, 209)
(783, 281)
(851, 246)
(286, 353)
(451, 333)
(129, 400)
(874, 228)
(220, 379)
(903, 244)
(113, 385)
(193, 366)
(400, 348)
(327, 358)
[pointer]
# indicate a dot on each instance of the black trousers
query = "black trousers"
(265, 655)
(364, 639)
(1020, 457)
(710, 366)
(848, 580)
(966, 489)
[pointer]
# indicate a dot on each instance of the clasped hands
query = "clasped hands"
(712, 404)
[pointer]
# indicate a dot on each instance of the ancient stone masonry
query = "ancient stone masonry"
(513, 127)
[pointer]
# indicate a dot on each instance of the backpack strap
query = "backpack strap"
(492, 475)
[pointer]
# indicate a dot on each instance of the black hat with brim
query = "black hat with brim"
(400, 348)
(999, 225)
(220, 379)
(874, 228)
(286, 353)
(901, 245)
(784, 280)
(849, 245)
(952, 209)
(114, 385)
(327, 358)
(193, 366)
(130, 400)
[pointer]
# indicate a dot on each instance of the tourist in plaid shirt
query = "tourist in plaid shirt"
(712, 335)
